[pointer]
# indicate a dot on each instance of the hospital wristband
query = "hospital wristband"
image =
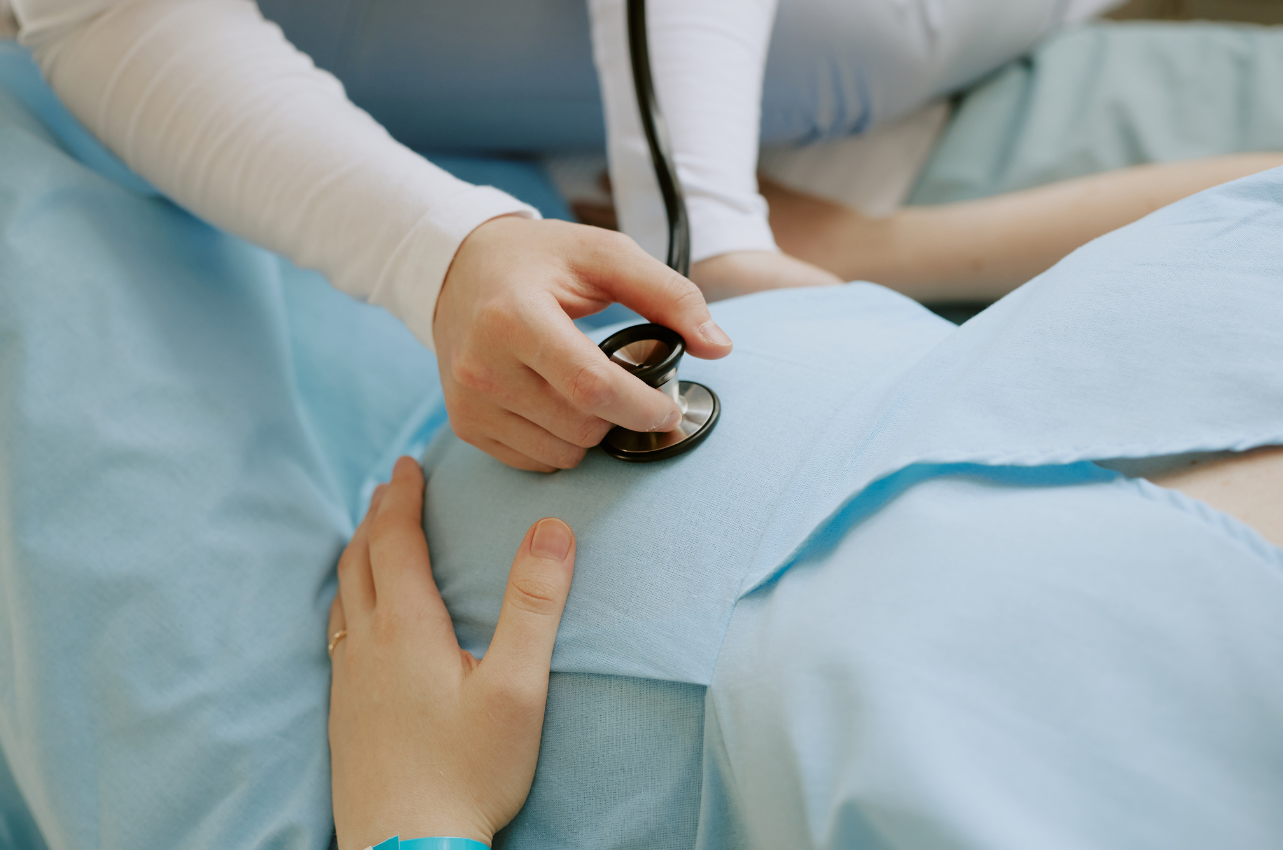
(395, 843)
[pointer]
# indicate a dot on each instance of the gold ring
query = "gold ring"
(334, 641)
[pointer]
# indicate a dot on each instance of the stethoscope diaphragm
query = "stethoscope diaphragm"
(652, 353)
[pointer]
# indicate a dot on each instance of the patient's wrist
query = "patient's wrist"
(420, 834)
(744, 272)
(434, 843)
(406, 826)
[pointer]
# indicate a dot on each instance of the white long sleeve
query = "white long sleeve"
(209, 102)
(708, 59)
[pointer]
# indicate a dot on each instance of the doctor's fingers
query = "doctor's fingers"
(531, 441)
(520, 653)
(516, 387)
(627, 274)
(356, 582)
(577, 369)
(509, 457)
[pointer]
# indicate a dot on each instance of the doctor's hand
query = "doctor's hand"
(425, 740)
(521, 382)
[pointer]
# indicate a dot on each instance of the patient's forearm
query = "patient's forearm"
(982, 249)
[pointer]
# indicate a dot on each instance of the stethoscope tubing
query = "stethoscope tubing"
(679, 236)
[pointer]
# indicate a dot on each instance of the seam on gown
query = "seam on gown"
(1227, 524)
(1062, 455)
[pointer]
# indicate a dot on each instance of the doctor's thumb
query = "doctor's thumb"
(532, 605)
(648, 287)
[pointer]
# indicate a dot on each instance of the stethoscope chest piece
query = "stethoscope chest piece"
(651, 353)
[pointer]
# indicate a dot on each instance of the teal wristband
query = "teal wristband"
(395, 843)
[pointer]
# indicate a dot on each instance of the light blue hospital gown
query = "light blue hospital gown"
(891, 602)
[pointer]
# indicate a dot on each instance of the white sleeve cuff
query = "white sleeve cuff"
(724, 227)
(416, 270)
(708, 58)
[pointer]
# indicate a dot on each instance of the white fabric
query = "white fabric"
(210, 103)
(707, 57)
(873, 172)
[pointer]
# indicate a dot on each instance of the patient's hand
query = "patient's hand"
(521, 382)
(426, 740)
(742, 272)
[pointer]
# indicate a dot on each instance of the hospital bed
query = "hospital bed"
(191, 427)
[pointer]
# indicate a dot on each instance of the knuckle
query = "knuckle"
(385, 630)
(517, 697)
(468, 435)
(604, 247)
(383, 524)
(534, 594)
(589, 387)
(528, 464)
(590, 432)
(685, 295)
(569, 458)
(464, 408)
(496, 316)
(472, 374)
(617, 242)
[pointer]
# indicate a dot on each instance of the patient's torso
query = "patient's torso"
(835, 403)
(665, 548)
(831, 390)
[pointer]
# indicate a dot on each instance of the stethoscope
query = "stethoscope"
(652, 352)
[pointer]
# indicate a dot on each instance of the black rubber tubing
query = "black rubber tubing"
(661, 148)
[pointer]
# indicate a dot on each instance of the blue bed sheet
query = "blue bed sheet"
(1109, 95)
(189, 425)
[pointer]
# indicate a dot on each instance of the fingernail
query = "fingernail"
(670, 421)
(713, 334)
(377, 495)
(552, 539)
